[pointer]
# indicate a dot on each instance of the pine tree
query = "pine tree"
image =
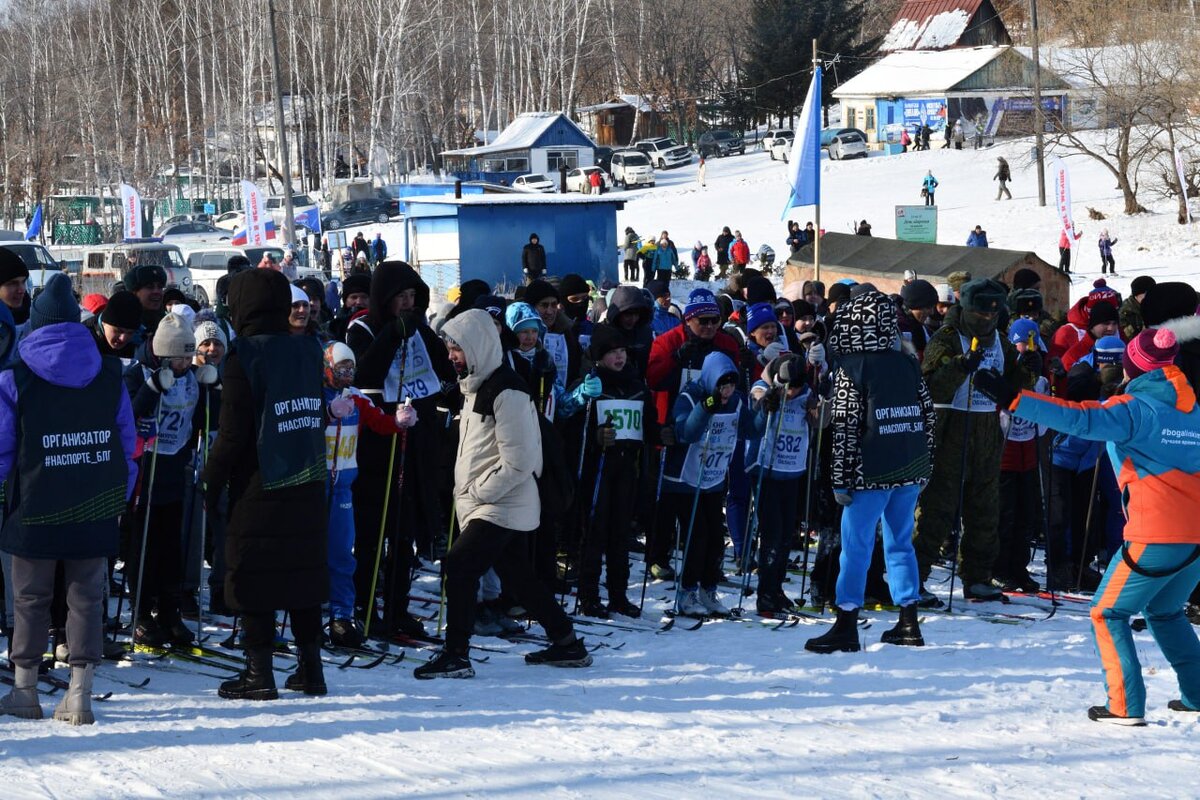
(778, 66)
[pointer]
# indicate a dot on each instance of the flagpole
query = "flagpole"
(817, 233)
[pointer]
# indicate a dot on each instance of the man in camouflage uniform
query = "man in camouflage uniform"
(1131, 310)
(995, 372)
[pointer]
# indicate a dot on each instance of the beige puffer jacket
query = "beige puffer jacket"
(498, 455)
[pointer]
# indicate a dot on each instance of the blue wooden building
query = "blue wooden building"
(536, 142)
(450, 240)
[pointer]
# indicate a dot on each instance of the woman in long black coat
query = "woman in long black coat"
(270, 449)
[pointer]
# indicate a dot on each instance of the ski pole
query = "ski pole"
(814, 456)
(387, 496)
(753, 518)
(1087, 525)
(449, 544)
(691, 522)
(203, 514)
(587, 417)
(137, 597)
(962, 480)
(394, 555)
(1048, 462)
(137, 499)
(652, 535)
(583, 540)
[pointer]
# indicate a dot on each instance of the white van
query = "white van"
(631, 168)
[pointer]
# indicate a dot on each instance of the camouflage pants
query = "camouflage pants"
(981, 495)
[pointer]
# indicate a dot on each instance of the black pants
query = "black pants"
(398, 563)
(777, 512)
(259, 627)
(482, 546)
(706, 547)
(1108, 264)
(1020, 518)
(631, 269)
(162, 572)
(611, 523)
(929, 198)
(1068, 541)
(1064, 259)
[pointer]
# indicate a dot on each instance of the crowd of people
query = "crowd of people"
(315, 446)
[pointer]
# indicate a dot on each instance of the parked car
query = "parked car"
(827, 135)
(603, 158)
(632, 168)
(300, 202)
(103, 266)
(207, 265)
(720, 143)
(37, 260)
(781, 149)
(375, 209)
(187, 232)
(848, 144)
(533, 182)
(664, 152)
(230, 220)
(578, 178)
(776, 136)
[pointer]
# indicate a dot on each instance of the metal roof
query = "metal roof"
(522, 134)
(915, 72)
(929, 24)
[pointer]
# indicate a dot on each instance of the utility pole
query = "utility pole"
(289, 214)
(1039, 125)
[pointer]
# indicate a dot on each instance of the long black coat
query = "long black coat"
(276, 541)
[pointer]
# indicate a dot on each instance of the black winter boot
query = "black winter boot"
(907, 631)
(257, 681)
(843, 636)
(309, 676)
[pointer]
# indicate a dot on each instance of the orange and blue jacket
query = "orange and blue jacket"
(1153, 436)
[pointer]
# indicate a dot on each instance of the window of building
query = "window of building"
(517, 165)
(559, 158)
(850, 117)
(870, 112)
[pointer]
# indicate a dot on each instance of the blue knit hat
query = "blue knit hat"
(56, 303)
(1108, 350)
(701, 302)
(758, 315)
(1022, 328)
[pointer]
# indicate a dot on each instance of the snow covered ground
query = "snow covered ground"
(731, 710)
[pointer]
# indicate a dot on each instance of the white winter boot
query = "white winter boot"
(76, 706)
(22, 701)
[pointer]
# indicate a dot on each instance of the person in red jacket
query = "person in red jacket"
(739, 252)
(676, 358)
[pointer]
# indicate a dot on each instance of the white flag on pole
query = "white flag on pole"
(1182, 183)
(1062, 195)
(131, 213)
(256, 219)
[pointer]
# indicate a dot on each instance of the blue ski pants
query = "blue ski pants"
(341, 546)
(859, 519)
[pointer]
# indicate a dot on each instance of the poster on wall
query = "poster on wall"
(916, 224)
(925, 112)
(1005, 116)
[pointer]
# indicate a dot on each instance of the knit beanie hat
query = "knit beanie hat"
(573, 284)
(357, 283)
(313, 288)
(55, 304)
(783, 306)
(94, 303)
(124, 310)
(838, 293)
(958, 279)
(1108, 351)
(605, 338)
(1102, 312)
(539, 290)
(1169, 300)
(11, 266)
(298, 295)
(143, 276)
(758, 315)
(659, 288)
(1153, 348)
(492, 304)
(1141, 284)
(174, 338)
(208, 329)
(701, 302)
(945, 294)
(804, 309)
(1025, 278)
(759, 290)
(919, 294)
(1022, 330)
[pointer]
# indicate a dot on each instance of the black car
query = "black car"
(603, 158)
(353, 211)
(720, 143)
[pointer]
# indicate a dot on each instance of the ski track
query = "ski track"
(983, 710)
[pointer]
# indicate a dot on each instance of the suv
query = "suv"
(720, 143)
(664, 153)
(632, 168)
(358, 211)
(37, 260)
(300, 203)
(777, 136)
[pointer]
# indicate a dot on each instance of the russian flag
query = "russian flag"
(241, 236)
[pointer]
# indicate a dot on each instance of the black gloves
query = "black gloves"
(712, 402)
(970, 360)
(773, 400)
(687, 352)
(1032, 361)
(991, 384)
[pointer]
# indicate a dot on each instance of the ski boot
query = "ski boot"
(843, 636)
(928, 599)
(690, 605)
(592, 607)
(257, 681)
(982, 591)
(76, 706)
(907, 631)
(712, 606)
(1102, 714)
(450, 662)
(345, 633)
(571, 653)
(22, 700)
(1177, 705)
(621, 605)
(309, 676)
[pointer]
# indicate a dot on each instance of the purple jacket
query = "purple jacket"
(63, 354)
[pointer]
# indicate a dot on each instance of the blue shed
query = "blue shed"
(536, 142)
(450, 240)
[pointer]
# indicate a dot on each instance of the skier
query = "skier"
(709, 416)
(882, 421)
(970, 370)
(496, 501)
(623, 424)
(346, 408)
(1107, 264)
(1064, 248)
(270, 450)
(164, 390)
(1158, 565)
(61, 390)
(780, 456)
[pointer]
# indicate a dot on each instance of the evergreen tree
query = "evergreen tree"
(778, 66)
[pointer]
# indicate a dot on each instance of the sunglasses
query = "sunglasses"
(706, 321)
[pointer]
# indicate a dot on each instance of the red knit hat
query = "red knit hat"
(1150, 350)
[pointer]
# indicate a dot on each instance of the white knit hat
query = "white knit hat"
(174, 339)
(207, 329)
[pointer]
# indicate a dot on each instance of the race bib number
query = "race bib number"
(556, 346)
(706, 466)
(791, 443)
(625, 417)
(411, 374)
(341, 446)
(175, 418)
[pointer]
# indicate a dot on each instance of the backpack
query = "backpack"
(556, 483)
